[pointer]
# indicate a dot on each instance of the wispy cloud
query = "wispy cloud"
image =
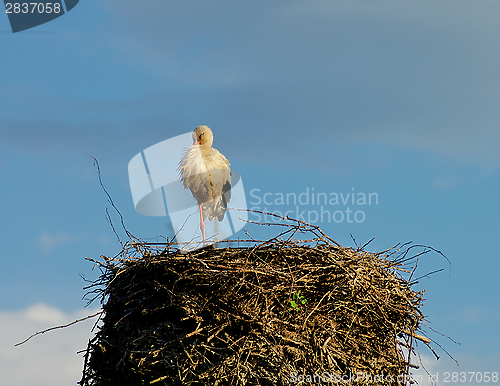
(46, 360)
(444, 182)
(290, 75)
(409, 75)
(47, 241)
(429, 369)
(471, 369)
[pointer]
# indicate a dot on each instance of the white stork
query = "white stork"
(206, 173)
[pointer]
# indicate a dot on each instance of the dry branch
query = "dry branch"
(232, 316)
(57, 327)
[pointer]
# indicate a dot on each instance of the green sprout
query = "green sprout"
(296, 299)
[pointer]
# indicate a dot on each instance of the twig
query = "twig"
(417, 336)
(55, 328)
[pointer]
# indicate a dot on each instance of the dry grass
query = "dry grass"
(254, 315)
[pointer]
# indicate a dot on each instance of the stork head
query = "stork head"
(203, 136)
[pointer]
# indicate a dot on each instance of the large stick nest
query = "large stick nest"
(270, 314)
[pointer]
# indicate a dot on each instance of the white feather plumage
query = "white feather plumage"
(205, 172)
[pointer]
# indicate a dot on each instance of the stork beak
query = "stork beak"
(196, 143)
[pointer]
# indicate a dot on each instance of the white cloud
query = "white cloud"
(441, 371)
(43, 313)
(49, 359)
(433, 367)
(49, 241)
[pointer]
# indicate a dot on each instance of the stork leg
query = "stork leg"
(202, 224)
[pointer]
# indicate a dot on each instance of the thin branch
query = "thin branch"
(55, 328)
(110, 200)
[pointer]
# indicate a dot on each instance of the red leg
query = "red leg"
(202, 224)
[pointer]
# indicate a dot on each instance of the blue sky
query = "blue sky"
(398, 98)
